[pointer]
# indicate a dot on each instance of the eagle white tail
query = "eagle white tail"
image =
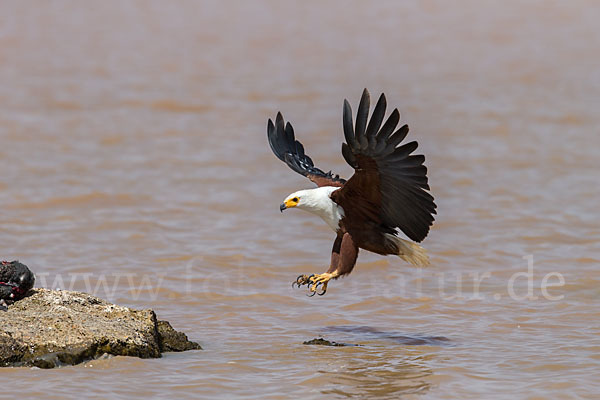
(410, 252)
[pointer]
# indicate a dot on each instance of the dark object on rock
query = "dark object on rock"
(323, 342)
(50, 328)
(15, 280)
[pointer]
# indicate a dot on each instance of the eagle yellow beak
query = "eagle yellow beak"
(289, 203)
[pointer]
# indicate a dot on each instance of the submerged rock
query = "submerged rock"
(324, 342)
(49, 328)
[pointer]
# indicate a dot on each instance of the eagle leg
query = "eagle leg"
(343, 258)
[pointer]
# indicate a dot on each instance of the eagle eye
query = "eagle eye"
(295, 199)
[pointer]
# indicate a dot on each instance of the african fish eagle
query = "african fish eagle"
(388, 191)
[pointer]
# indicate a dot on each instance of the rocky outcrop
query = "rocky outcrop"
(50, 328)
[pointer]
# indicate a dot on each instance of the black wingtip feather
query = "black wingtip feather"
(396, 139)
(348, 156)
(273, 142)
(389, 126)
(348, 124)
(400, 153)
(376, 120)
(362, 116)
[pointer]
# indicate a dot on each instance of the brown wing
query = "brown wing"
(289, 150)
(389, 186)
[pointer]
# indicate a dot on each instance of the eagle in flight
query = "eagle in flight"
(388, 191)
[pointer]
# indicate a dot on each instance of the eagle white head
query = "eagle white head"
(318, 202)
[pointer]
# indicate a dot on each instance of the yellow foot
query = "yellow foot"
(314, 281)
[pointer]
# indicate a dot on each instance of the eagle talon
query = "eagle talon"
(315, 287)
(301, 280)
(314, 282)
(297, 282)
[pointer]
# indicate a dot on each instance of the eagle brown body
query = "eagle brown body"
(388, 191)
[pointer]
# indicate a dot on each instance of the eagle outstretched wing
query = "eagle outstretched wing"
(389, 185)
(289, 150)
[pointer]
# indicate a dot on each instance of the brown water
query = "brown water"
(135, 166)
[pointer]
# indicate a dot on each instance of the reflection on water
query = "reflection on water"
(383, 372)
(387, 379)
(380, 367)
(134, 163)
(369, 333)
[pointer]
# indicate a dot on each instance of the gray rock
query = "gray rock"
(50, 328)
